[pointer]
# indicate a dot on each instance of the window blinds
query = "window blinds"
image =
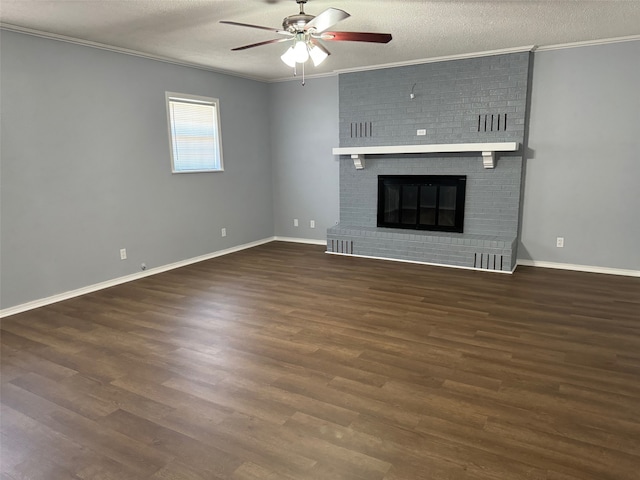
(194, 136)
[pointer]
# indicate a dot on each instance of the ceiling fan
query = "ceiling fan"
(305, 33)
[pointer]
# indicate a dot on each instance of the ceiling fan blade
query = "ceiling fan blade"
(271, 29)
(320, 46)
(267, 42)
(356, 37)
(327, 19)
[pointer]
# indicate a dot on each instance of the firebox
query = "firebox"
(422, 202)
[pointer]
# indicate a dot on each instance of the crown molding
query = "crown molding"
(110, 48)
(136, 53)
(530, 48)
(445, 58)
(298, 78)
(589, 43)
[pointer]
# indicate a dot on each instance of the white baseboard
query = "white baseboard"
(127, 278)
(309, 241)
(423, 263)
(579, 268)
(153, 271)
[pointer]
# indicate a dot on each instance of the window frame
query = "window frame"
(198, 100)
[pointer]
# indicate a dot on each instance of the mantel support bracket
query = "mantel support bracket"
(489, 159)
(358, 161)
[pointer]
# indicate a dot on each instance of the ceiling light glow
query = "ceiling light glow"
(317, 54)
(300, 52)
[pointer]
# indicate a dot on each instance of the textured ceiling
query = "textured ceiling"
(188, 31)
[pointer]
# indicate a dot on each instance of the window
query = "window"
(194, 133)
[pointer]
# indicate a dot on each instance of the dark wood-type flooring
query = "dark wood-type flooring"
(281, 362)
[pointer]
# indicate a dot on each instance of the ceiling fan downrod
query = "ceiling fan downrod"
(296, 23)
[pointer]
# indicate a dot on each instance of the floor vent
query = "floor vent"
(488, 261)
(361, 129)
(342, 246)
(492, 122)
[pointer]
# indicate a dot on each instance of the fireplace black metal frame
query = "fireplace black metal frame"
(420, 181)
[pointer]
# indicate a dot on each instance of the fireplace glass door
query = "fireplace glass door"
(422, 202)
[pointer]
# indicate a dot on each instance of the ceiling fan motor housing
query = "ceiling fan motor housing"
(296, 23)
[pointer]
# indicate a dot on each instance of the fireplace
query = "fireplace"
(469, 217)
(422, 202)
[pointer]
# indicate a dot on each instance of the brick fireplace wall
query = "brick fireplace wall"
(454, 102)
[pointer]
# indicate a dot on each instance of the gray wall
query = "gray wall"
(582, 175)
(304, 129)
(86, 167)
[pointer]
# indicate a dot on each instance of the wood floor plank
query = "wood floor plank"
(282, 363)
(27, 362)
(139, 458)
(206, 459)
(45, 444)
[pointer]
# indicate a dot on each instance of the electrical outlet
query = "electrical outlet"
(295, 222)
(143, 267)
(421, 132)
(312, 224)
(223, 232)
(560, 242)
(123, 254)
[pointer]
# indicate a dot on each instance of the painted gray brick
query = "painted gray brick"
(449, 98)
(464, 86)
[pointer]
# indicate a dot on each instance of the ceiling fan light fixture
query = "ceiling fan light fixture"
(317, 54)
(288, 57)
(301, 51)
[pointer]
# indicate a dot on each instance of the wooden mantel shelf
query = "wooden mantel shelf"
(488, 150)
